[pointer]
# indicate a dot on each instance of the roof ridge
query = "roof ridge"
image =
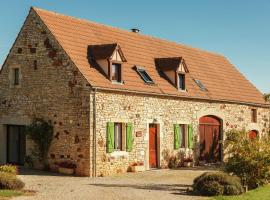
(124, 30)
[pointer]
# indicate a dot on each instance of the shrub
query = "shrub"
(174, 162)
(248, 159)
(10, 182)
(11, 169)
(217, 183)
(41, 132)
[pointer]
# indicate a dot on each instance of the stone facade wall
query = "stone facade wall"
(142, 110)
(52, 88)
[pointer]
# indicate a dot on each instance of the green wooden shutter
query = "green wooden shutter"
(129, 137)
(190, 136)
(110, 137)
(176, 136)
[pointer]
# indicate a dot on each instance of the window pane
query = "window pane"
(118, 136)
(116, 73)
(145, 76)
(181, 81)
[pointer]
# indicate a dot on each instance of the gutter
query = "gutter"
(183, 97)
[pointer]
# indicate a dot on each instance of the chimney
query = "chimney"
(135, 30)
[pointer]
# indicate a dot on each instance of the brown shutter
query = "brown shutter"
(124, 128)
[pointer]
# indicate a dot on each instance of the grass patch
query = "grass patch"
(262, 193)
(10, 193)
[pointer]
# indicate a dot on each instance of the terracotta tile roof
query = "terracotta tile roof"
(222, 80)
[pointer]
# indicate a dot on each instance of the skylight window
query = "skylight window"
(200, 84)
(144, 75)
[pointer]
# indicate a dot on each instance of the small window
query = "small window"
(116, 72)
(118, 136)
(183, 128)
(181, 81)
(16, 72)
(200, 84)
(144, 75)
(254, 115)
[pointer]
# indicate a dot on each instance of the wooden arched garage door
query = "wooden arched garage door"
(210, 135)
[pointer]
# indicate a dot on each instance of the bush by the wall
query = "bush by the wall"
(248, 159)
(10, 182)
(11, 169)
(217, 183)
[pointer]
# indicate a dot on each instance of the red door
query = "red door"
(209, 139)
(153, 146)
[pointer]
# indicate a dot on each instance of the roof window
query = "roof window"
(200, 84)
(144, 75)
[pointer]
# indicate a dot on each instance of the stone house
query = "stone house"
(116, 97)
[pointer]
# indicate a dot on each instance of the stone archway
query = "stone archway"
(210, 132)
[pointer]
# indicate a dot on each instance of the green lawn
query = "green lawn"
(262, 193)
(9, 193)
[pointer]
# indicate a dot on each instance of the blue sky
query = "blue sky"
(237, 29)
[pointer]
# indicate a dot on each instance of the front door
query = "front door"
(210, 136)
(153, 144)
(16, 143)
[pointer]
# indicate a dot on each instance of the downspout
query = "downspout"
(94, 136)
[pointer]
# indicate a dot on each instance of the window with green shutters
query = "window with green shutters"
(183, 136)
(119, 137)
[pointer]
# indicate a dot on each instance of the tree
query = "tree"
(267, 97)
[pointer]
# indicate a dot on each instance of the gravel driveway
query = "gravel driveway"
(156, 184)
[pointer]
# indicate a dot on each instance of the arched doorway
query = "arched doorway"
(210, 135)
(253, 134)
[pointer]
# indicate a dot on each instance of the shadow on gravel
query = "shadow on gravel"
(176, 189)
(34, 172)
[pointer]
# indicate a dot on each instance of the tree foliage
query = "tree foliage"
(267, 97)
(41, 132)
(248, 158)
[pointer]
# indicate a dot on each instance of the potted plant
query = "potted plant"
(66, 168)
(188, 162)
(137, 167)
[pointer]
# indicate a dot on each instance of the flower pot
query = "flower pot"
(140, 168)
(188, 164)
(67, 171)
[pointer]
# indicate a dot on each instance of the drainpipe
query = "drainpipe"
(94, 136)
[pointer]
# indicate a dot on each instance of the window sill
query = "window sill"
(118, 83)
(118, 153)
(180, 90)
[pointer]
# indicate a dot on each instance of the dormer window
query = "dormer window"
(174, 70)
(116, 72)
(109, 59)
(181, 81)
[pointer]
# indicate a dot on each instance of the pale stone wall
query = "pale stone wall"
(142, 110)
(52, 89)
